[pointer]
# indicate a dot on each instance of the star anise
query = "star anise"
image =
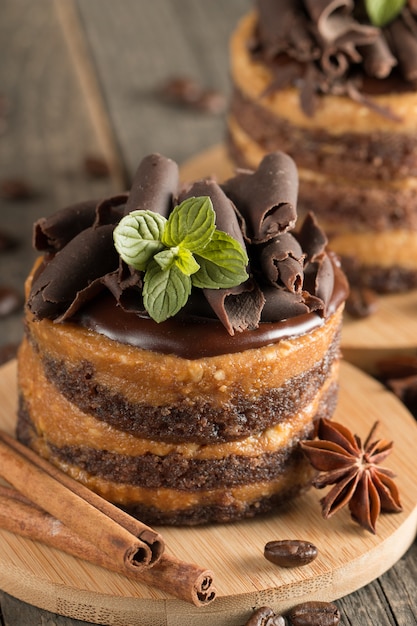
(354, 471)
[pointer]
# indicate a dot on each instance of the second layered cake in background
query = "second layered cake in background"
(180, 341)
(320, 81)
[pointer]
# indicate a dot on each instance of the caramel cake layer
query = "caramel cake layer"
(161, 396)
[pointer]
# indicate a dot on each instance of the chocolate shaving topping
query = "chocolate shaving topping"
(282, 261)
(312, 238)
(54, 232)
(88, 256)
(282, 28)
(154, 185)
(404, 41)
(267, 198)
(238, 308)
(111, 210)
(378, 59)
(289, 274)
(329, 46)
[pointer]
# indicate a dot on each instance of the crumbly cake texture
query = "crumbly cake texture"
(173, 429)
(352, 134)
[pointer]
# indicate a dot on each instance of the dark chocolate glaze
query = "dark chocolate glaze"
(194, 336)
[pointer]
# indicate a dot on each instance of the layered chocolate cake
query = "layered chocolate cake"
(333, 84)
(180, 341)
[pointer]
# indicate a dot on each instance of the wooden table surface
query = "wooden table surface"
(80, 79)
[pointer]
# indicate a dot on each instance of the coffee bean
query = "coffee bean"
(16, 189)
(187, 92)
(181, 90)
(290, 552)
(314, 614)
(265, 616)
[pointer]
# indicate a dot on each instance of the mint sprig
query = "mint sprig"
(382, 12)
(178, 253)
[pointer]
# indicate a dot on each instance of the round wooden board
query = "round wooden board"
(349, 557)
(391, 329)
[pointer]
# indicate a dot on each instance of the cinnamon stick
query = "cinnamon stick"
(185, 581)
(127, 541)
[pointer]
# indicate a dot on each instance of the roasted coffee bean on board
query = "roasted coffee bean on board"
(265, 616)
(290, 552)
(314, 614)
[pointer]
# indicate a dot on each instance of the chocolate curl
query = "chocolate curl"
(318, 268)
(283, 28)
(339, 33)
(111, 210)
(266, 199)
(405, 46)
(125, 284)
(282, 304)
(282, 262)
(53, 233)
(319, 280)
(311, 237)
(378, 60)
(154, 185)
(238, 308)
(88, 256)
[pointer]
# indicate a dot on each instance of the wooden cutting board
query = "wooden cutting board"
(391, 329)
(349, 557)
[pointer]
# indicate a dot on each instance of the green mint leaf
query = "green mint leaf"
(381, 12)
(191, 224)
(165, 292)
(186, 262)
(182, 258)
(166, 257)
(222, 263)
(137, 237)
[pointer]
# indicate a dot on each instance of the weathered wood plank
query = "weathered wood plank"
(138, 45)
(45, 135)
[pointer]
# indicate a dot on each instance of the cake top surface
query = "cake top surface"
(219, 252)
(354, 48)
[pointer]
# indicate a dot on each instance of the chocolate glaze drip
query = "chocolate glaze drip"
(192, 336)
(329, 46)
(292, 277)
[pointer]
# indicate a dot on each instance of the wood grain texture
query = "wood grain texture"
(45, 135)
(137, 47)
(349, 557)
